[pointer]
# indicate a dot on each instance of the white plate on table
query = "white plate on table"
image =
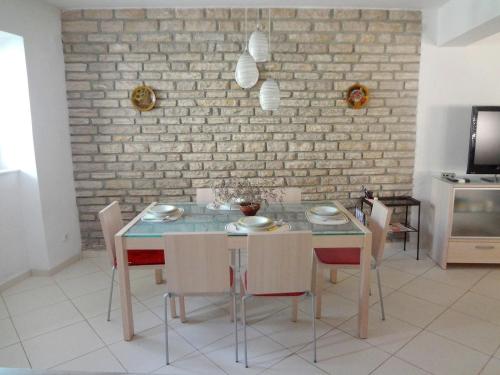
(338, 219)
(239, 229)
(162, 210)
(255, 222)
(152, 218)
(324, 210)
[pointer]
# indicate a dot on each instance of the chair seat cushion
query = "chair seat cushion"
(291, 294)
(145, 257)
(340, 255)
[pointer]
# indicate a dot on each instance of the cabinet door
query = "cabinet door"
(476, 213)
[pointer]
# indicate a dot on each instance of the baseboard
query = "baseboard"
(14, 280)
(57, 268)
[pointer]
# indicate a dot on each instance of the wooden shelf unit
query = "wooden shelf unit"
(466, 226)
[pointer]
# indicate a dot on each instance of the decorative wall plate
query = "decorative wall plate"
(358, 96)
(143, 98)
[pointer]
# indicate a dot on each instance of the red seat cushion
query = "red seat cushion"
(293, 294)
(339, 255)
(145, 257)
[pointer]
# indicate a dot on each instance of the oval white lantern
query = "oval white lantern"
(258, 47)
(269, 96)
(246, 73)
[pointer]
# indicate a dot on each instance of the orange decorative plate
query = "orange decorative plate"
(358, 96)
(143, 98)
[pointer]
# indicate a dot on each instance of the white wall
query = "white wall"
(39, 24)
(452, 80)
(13, 247)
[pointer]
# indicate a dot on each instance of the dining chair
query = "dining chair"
(204, 195)
(278, 265)
(111, 223)
(335, 258)
(198, 264)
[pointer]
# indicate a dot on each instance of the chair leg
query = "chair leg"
(235, 319)
(380, 294)
(318, 292)
(244, 321)
(333, 275)
(111, 293)
(182, 309)
(165, 299)
(295, 308)
(313, 303)
(158, 276)
(173, 308)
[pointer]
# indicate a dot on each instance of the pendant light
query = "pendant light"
(257, 45)
(246, 73)
(269, 96)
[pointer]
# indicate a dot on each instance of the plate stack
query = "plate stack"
(162, 212)
(326, 215)
(256, 223)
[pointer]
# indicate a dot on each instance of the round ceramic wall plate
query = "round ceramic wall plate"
(162, 210)
(325, 210)
(255, 222)
(143, 98)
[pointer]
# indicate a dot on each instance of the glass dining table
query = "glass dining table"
(144, 234)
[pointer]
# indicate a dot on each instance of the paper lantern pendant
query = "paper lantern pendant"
(246, 73)
(269, 96)
(258, 47)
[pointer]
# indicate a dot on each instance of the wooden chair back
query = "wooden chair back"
(378, 223)
(198, 263)
(204, 195)
(279, 262)
(111, 223)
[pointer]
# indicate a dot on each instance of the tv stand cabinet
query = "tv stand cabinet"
(466, 222)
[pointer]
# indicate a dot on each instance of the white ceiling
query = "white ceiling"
(370, 4)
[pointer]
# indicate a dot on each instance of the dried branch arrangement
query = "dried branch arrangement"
(238, 191)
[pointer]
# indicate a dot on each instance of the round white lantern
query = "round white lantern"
(246, 73)
(258, 47)
(269, 96)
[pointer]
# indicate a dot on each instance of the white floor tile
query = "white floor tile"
(349, 289)
(79, 286)
(441, 356)
(393, 278)
(459, 276)
(24, 302)
(410, 309)
(13, 357)
(335, 309)
(433, 291)
(96, 303)
(112, 331)
(8, 335)
(479, 306)
(62, 345)
(102, 360)
(192, 364)
(395, 366)
(467, 330)
(77, 269)
(145, 288)
(294, 365)
(3, 309)
(46, 319)
(146, 352)
(487, 286)
(389, 335)
(31, 283)
(407, 262)
(492, 368)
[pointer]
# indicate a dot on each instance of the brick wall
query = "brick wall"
(205, 127)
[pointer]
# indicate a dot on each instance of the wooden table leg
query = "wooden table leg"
(364, 286)
(158, 276)
(124, 282)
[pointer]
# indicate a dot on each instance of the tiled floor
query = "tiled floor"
(438, 322)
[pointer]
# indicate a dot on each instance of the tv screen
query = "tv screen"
(484, 146)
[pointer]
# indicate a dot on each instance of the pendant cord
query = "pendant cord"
(246, 34)
(269, 34)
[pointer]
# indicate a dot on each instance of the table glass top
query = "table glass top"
(198, 218)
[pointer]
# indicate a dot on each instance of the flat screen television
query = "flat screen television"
(484, 143)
